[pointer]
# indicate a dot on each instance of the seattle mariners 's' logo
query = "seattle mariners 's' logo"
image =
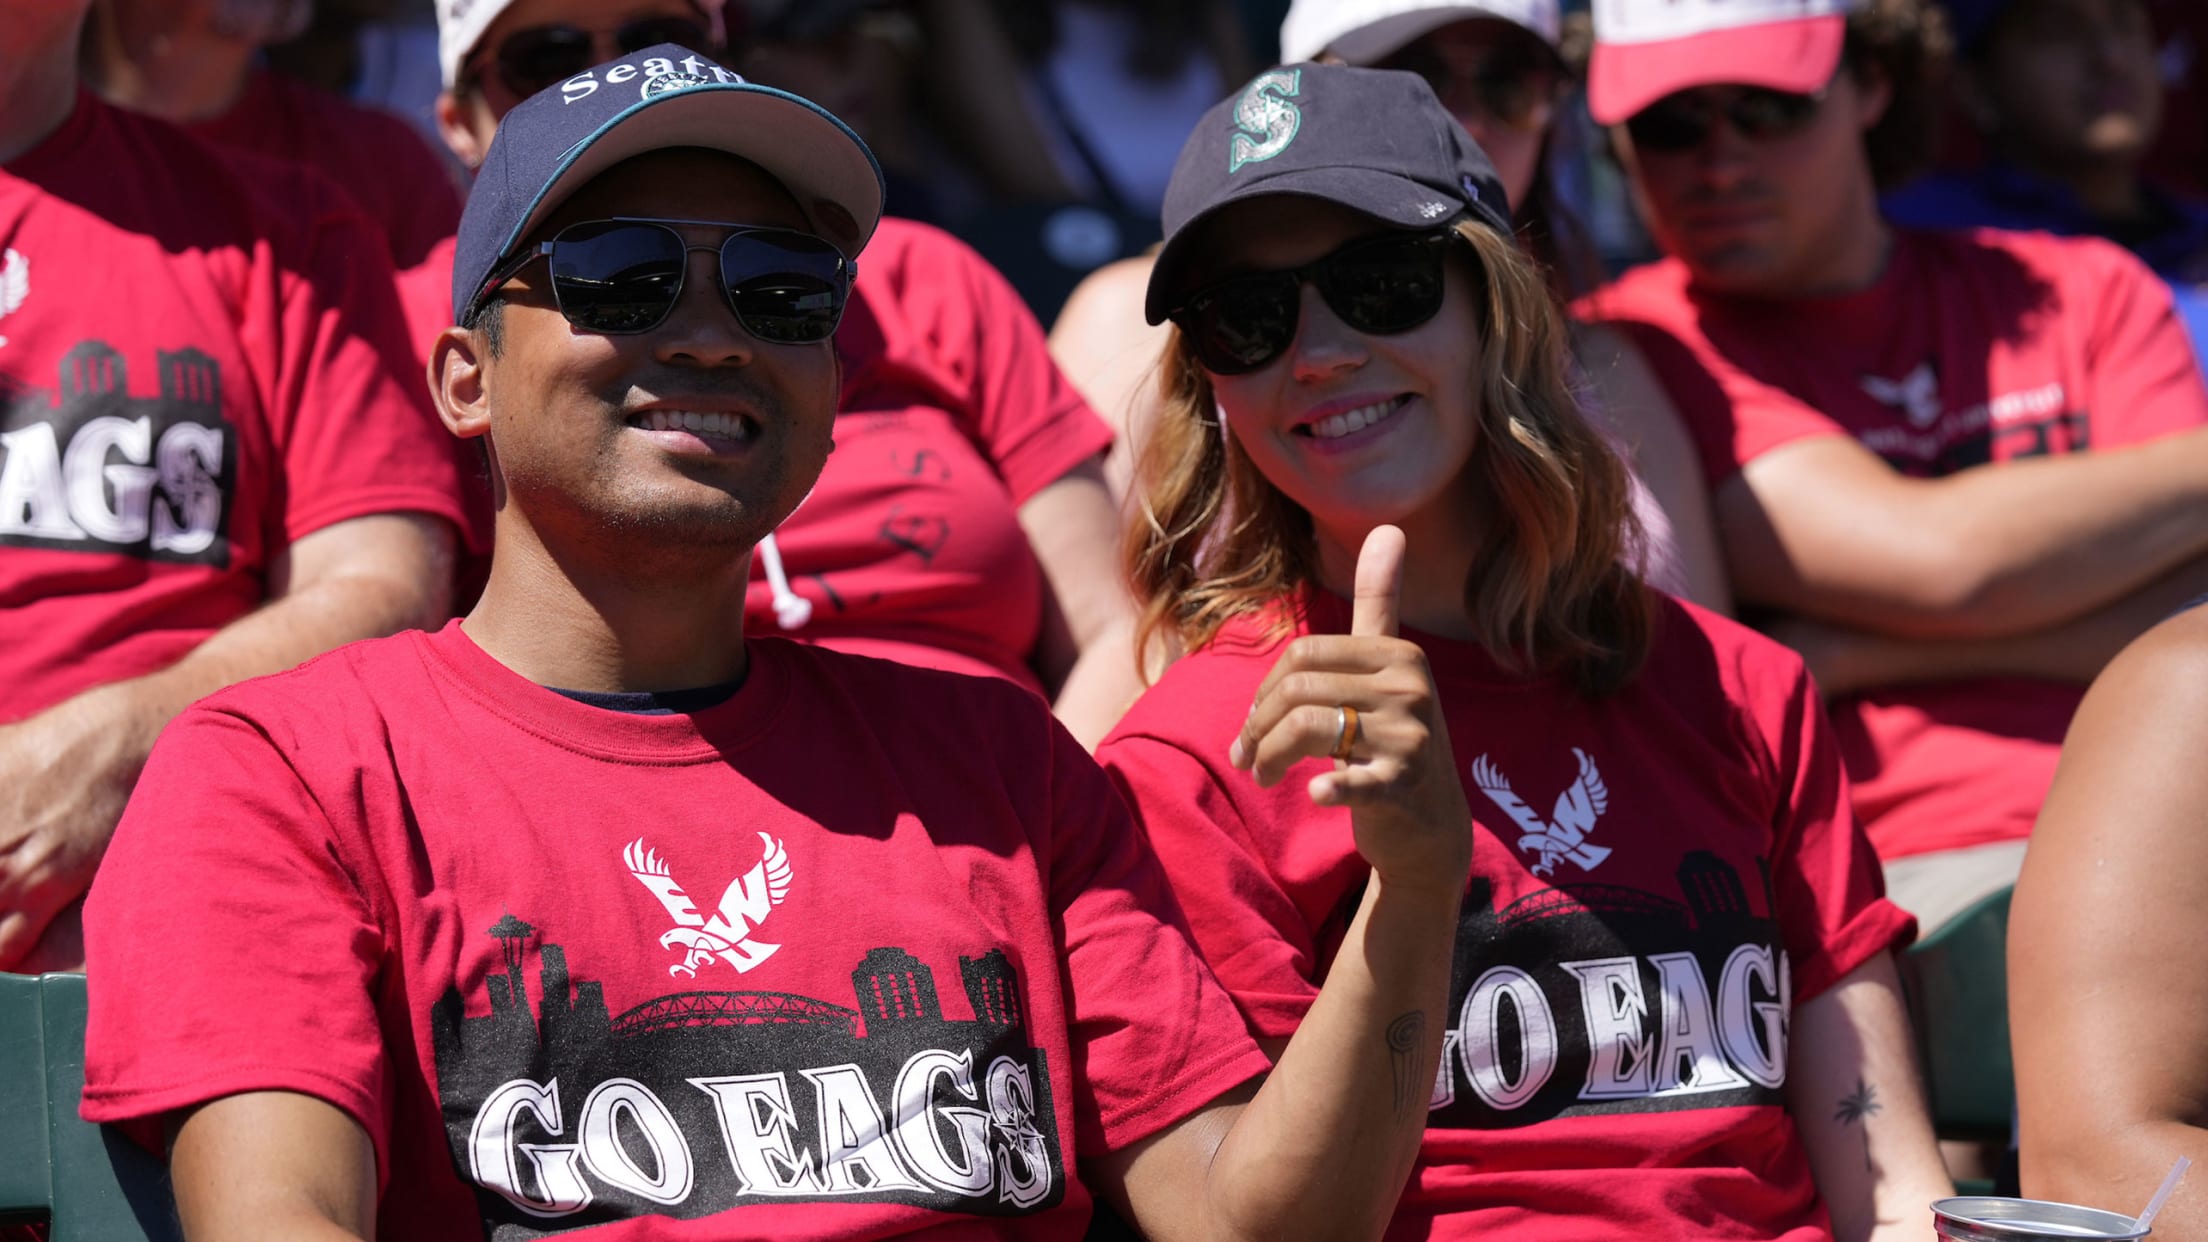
(661, 83)
(748, 900)
(1577, 809)
(1268, 121)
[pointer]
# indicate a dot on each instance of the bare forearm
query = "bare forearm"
(317, 617)
(1312, 1157)
(1853, 1091)
(1822, 529)
(2074, 651)
(1102, 685)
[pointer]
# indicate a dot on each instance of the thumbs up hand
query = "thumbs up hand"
(1367, 700)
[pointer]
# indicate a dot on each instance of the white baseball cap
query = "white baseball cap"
(1647, 49)
(461, 23)
(1365, 32)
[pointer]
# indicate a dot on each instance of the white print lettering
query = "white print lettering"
(744, 905)
(1688, 1039)
(945, 1132)
(101, 471)
(1597, 998)
(1577, 809)
(15, 283)
(585, 84)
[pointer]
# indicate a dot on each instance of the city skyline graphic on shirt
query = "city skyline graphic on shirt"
(1594, 998)
(564, 1114)
(86, 467)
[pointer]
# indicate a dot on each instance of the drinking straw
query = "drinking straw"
(2177, 1174)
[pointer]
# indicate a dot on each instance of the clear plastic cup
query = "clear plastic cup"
(1985, 1218)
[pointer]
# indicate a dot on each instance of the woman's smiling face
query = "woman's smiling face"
(1358, 428)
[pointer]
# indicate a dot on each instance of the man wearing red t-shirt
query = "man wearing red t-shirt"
(591, 911)
(212, 465)
(964, 522)
(1962, 470)
(193, 62)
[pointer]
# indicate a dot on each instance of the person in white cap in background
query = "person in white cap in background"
(1962, 470)
(1495, 65)
(964, 522)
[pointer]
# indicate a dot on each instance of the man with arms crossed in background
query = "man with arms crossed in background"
(214, 459)
(469, 972)
(1962, 470)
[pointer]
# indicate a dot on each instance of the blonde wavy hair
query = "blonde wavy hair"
(1558, 589)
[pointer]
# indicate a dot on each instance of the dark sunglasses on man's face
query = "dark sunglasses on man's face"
(1381, 285)
(622, 276)
(1684, 121)
(528, 61)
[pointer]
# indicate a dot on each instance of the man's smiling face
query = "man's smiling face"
(591, 432)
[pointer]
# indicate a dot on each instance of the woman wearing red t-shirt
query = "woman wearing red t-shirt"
(1674, 1009)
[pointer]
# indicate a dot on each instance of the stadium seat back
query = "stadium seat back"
(89, 1182)
(1957, 984)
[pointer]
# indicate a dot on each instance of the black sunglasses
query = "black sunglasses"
(1517, 84)
(1381, 285)
(622, 276)
(1683, 121)
(538, 57)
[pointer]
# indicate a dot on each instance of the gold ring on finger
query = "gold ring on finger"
(1346, 733)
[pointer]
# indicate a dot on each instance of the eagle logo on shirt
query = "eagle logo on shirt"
(1563, 836)
(1916, 395)
(15, 283)
(744, 905)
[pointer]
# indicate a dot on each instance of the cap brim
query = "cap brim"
(1384, 196)
(1797, 56)
(1374, 42)
(822, 163)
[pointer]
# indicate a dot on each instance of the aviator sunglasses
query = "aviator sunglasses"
(528, 61)
(1381, 285)
(622, 276)
(1683, 121)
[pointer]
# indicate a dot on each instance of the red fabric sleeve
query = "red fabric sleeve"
(1828, 890)
(2145, 381)
(1154, 1039)
(230, 949)
(1026, 415)
(1247, 927)
(349, 410)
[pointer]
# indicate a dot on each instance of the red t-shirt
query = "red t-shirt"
(1655, 878)
(864, 951)
(201, 361)
(407, 190)
(953, 415)
(1973, 348)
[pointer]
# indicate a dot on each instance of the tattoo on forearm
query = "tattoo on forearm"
(1405, 1035)
(1855, 1107)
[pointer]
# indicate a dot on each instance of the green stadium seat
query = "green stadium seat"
(1957, 983)
(88, 1182)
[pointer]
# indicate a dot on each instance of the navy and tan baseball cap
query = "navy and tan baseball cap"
(662, 97)
(1374, 140)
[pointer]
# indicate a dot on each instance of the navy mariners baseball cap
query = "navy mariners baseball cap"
(1374, 140)
(662, 97)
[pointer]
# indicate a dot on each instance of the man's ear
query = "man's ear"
(1874, 93)
(456, 382)
(456, 126)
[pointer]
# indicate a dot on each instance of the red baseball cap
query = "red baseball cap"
(1647, 49)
